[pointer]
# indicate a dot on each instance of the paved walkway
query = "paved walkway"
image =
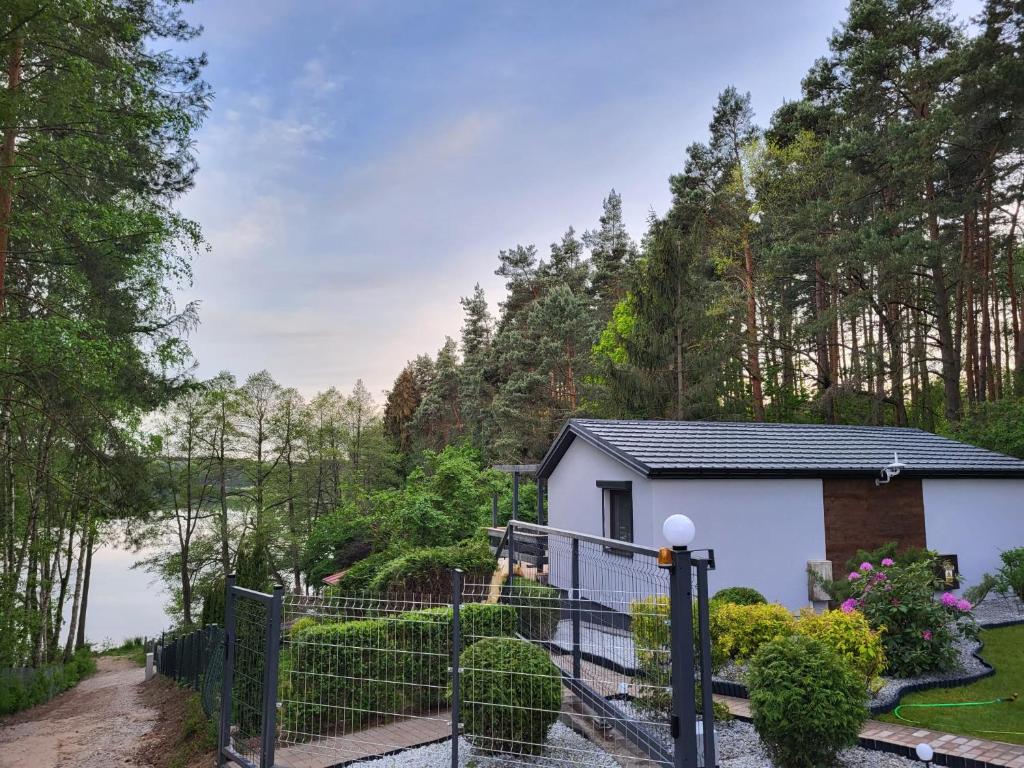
(950, 749)
(370, 742)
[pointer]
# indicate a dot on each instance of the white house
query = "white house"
(771, 498)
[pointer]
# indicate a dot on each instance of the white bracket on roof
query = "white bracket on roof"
(889, 472)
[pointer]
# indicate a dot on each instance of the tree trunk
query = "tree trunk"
(76, 603)
(80, 634)
(943, 321)
(753, 357)
(7, 156)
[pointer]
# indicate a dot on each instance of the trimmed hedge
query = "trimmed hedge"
(427, 571)
(807, 702)
(355, 672)
(511, 695)
(24, 688)
(740, 596)
(539, 608)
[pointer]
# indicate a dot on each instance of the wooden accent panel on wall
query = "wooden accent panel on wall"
(861, 515)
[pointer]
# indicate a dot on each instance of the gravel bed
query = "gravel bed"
(564, 747)
(738, 746)
(996, 609)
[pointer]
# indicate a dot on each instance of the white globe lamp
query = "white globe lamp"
(925, 752)
(678, 530)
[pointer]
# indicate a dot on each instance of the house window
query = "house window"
(617, 510)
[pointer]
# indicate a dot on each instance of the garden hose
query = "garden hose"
(1000, 700)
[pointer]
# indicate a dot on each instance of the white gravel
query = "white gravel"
(996, 609)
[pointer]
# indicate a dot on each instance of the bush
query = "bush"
(840, 589)
(918, 632)
(739, 596)
(978, 592)
(512, 695)
(427, 571)
(739, 631)
(393, 666)
(850, 636)
(539, 608)
(24, 688)
(806, 702)
(357, 579)
(1011, 574)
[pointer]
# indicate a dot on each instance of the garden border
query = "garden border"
(740, 691)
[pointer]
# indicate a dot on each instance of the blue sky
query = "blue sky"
(364, 162)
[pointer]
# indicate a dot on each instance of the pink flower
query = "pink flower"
(949, 599)
(848, 605)
(895, 601)
(853, 576)
(866, 566)
(879, 576)
(963, 605)
(887, 561)
(927, 634)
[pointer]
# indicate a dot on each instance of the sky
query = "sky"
(363, 163)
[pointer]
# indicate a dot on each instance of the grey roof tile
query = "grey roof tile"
(694, 448)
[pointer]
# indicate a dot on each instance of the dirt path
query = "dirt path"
(100, 723)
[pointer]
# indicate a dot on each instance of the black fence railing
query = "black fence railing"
(194, 660)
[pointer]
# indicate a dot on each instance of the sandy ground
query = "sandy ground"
(98, 724)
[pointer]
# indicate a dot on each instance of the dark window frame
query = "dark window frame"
(608, 487)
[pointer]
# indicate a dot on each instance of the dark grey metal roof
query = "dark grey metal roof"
(730, 449)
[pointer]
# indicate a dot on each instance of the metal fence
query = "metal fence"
(578, 651)
(195, 660)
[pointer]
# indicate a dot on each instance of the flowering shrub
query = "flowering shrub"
(850, 636)
(918, 631)
(738, 631)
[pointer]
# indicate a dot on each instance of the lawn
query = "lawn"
(134, 648)
(1004, 650)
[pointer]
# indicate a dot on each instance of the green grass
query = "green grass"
(134, 648)
(1004, 650)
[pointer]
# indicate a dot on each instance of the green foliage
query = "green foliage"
(538, 606)
(739, 631)
(739, 596)
(649, 621)
(427, 571)
(918, 632)
(358, 578)
(24, 688)
(850, 636)
(512, 693)
(1011, 573)
(807, 703)
(998, 426)
(395, 665)
(338, 540)
(975, 593)
(213, 604)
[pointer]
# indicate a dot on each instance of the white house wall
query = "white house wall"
(763, 531)
(974, 519)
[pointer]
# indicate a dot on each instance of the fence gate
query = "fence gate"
(252, 644)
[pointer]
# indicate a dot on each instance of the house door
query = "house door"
(862, 515)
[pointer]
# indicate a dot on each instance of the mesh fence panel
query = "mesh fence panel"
(247, 682)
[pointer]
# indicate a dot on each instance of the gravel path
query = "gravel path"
(99, 723)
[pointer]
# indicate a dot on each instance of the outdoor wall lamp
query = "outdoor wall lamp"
(891, 470)
(925, 752)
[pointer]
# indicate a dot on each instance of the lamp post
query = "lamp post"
(925, 753)
(679, 532)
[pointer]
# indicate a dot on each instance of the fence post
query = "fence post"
(684, 707)
(707, 694)
(224, 732)
(511, 549)
(576, 605)
(273, 654)
(456, 671)
(494, 510)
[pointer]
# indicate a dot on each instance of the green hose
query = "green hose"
(1001, 700)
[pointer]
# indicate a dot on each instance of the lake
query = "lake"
(123, 602)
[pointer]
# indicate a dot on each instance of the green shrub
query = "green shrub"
(978, 592)
(850, 636)
(357, 578)
(652, 639)
(738, 631)
(392, 666)
(539, 608)
(1011, 573)
(427, 571)
(739, 596)
(806, 702)
(511, 693)
(21, 689)
(918, 631)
